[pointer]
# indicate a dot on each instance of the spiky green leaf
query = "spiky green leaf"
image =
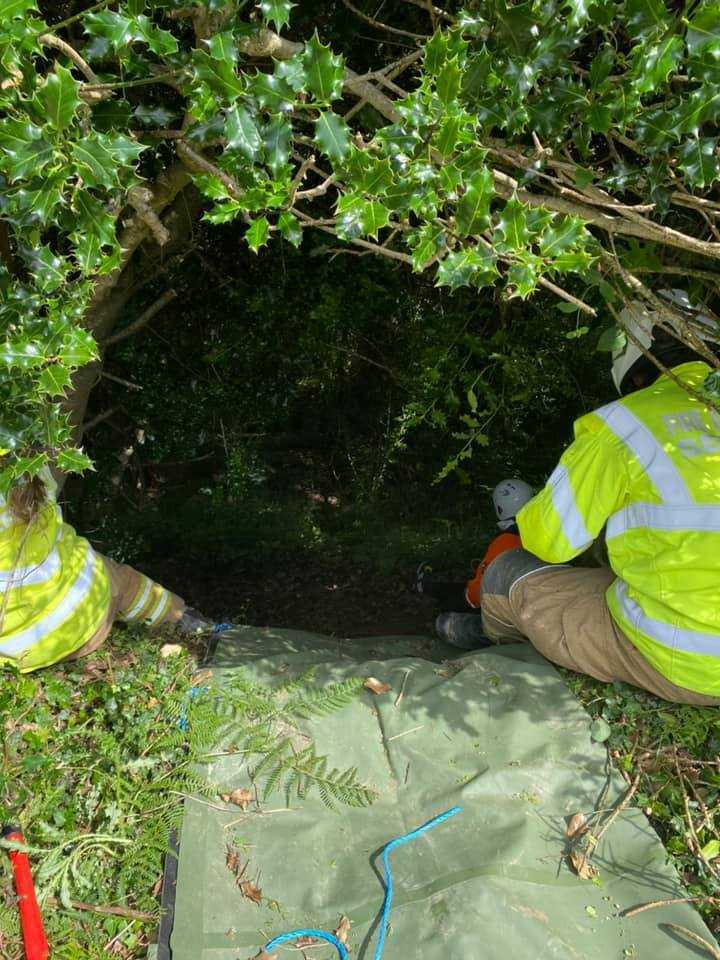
(473, 209)
(54, 380)
(242, 133)
(59, 96)
(512, 233)
(324, 71)
(448, 81)
(290, 228)
(332, 135)
(276, 137)
(276, 12)
(219, 75)
(258, 234)
(272, 93)
(564, 234)
(699, 160)
(74, 461)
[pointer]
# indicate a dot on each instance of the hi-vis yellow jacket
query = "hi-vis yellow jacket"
(54, 588)
(649, 466)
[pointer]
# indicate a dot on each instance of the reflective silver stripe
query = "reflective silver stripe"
(142, 600)
(78, 592)
(655, 462)
(36, 573)
(703, 518)
(673, 637)
(573, 525)
(159, 608)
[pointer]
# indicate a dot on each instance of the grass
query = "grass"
(92, 750)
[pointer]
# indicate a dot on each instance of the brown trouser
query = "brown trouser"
(133, 597)
(562, 611)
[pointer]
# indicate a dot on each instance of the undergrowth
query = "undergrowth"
(97, 757)
(676, 750)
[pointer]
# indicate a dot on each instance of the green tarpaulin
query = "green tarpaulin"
(497, 733)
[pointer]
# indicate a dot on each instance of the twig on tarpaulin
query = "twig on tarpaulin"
(399, 698)
(405, 733)
(652, 904)
(696, 938)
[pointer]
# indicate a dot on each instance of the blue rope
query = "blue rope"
(387, 901)
(315, 934)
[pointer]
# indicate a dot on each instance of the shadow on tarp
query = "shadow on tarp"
(496, 732)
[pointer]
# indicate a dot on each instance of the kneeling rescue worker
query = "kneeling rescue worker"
(59, 598)
(647, 469)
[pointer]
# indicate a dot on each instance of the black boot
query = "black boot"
(464, 630)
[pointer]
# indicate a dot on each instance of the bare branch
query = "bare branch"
(200, 164)
(431, 9)
(564, 295)
(123, 383)
(382, 26)
(365, 244)
(100, 418)
(142, 320)
(140, 199)
(48, 40)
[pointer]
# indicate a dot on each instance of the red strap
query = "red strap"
(36, 945)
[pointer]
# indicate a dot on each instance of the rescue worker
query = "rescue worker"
(508, 498)
(58, 597)
(647, 469)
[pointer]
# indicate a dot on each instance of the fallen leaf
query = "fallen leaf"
(201, 677)
(152, 702)
(302, 942)
(376, 686)
(576, 827)
(342, 931)
(581, 865)
(170, 650)
(232, 859)
(240, 797)
(250, 891)
(600, 730)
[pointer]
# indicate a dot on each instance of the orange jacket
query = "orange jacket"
(501, 543)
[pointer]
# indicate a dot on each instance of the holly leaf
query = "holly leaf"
(160, 41)
(511, 232)
(702, 106)
(522, 276)
(272, 93)
(463, 267)
(113, 115)
(26, 150)
(428, 240)
(276, 11)
(473, 209)
(447, 136)
(242, 133)
(15, 9)
(58, 95)
(703, 31)
(332, 135)
(699, 160)
(111, 26)
(100, 155)
(219, 75)
(565, 233)
(95, 232)
(646, 18)
(276, 136)
(448, 81)
(377, 176)
(221, 46)
(38, 202)
(74, 460)
(601, 66)
(653, 63)
(54, 380)
(154, 115)
(374, 217)
(257, 234)
(49, 270)
(290, 228)
(324, 71)
(292, 72)
(23, 353)
(77, 348)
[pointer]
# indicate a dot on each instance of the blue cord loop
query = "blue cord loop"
(387, 901)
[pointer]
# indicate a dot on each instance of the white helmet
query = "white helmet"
(508, 497)
(640, 322)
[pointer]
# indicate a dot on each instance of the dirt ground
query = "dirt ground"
(324, 598)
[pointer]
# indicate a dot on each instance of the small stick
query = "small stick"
(48, 40)
(651, 904)
(398, 699)
(406, 732)
(696, 938)
(123, 383)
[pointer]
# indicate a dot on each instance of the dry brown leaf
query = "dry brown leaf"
(250, 891)
(201, 677)
(376, 686)
(576, 826)
(170, 650)
(580, 863)
(342, 931)
(240, 797)
(232, 860)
